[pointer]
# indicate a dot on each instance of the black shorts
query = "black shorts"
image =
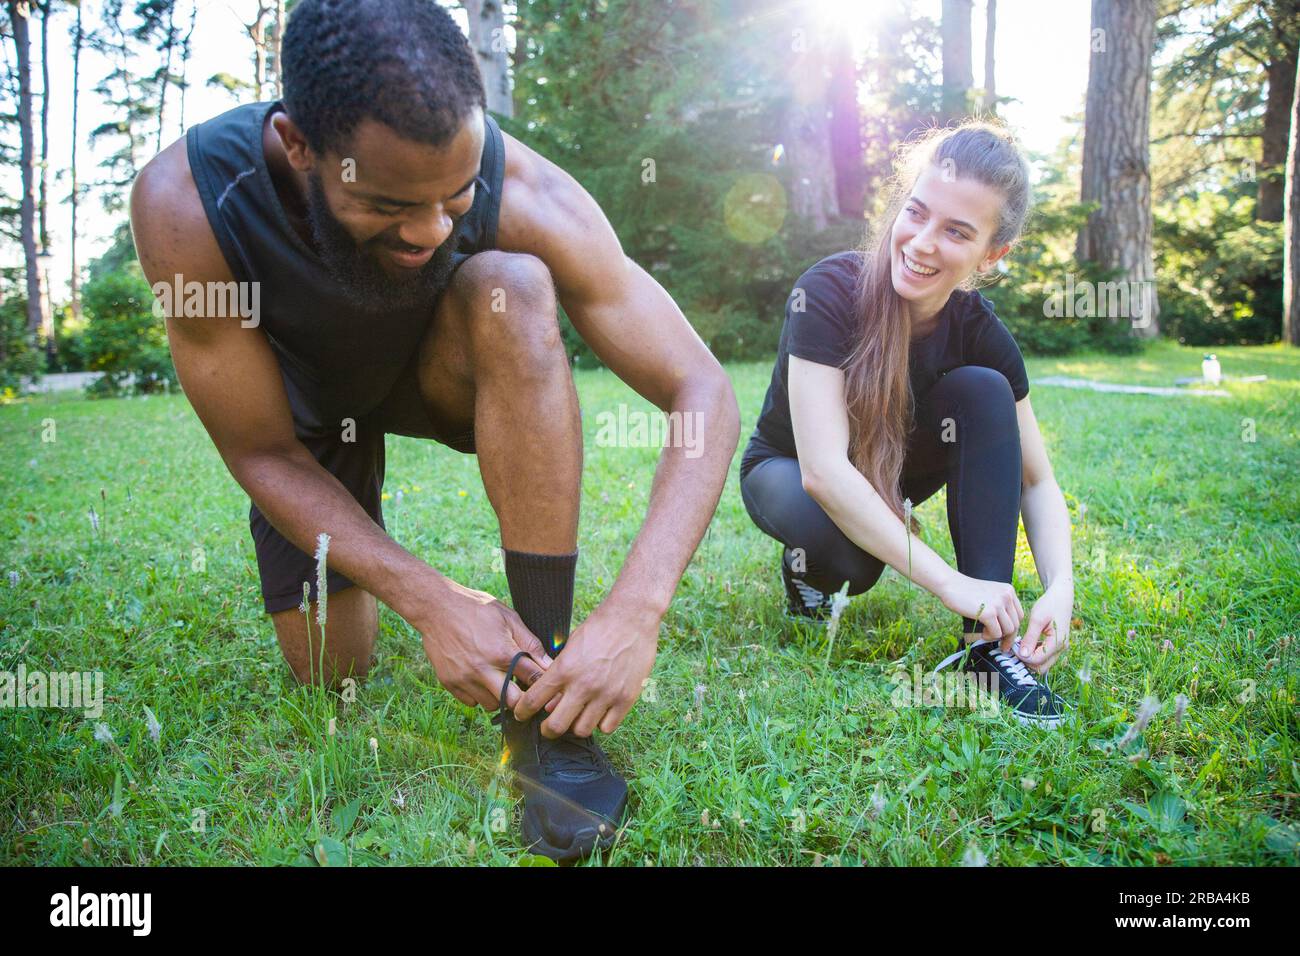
(359, 465)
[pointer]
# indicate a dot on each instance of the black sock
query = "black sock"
(541, 588)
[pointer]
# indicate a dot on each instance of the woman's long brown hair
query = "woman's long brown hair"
(878, 390)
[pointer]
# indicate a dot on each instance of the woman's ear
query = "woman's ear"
(994, 255)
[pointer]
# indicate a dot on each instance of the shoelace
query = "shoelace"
(569, 752)
(499, 717)
(812, 598)
(1008, 663)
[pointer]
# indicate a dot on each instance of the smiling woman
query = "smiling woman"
(893, 379)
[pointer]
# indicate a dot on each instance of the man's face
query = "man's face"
(382, 210)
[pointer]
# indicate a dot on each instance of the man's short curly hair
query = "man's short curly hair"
(404, 63)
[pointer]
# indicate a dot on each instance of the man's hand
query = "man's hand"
(1047, 633)
(471, 642)
(598, 678)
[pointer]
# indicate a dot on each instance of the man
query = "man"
(407, 258)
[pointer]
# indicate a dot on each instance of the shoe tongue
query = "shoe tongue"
(570, 757)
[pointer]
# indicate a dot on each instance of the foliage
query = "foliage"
(1041, 263)
(123, 338)
(1220, 271)
(22, 360)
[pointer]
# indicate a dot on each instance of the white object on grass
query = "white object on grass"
(1065, 382)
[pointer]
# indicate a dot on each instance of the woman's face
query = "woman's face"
(941, 236)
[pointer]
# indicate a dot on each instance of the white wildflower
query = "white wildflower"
(1149, 707)
(839, 601)
(907, 526)
(322, 592)
(155, 728)
(974, 856)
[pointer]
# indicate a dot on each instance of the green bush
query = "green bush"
(22, 360)
(1042, 260)
(123, 338)
(1220, 272)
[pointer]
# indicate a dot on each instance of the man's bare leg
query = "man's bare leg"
(497, 362)
(494, 359)
(351, 625)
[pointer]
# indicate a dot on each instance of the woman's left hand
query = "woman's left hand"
(1048, 630)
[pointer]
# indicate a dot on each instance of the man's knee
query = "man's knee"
(350, 632)
(508, 300)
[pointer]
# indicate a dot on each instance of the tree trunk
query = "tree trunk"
(487, 37)
(1117, 152)
(1291, 253)
(74, 280)
(186, 49)
(958, 73)
(273, 54)
(846, 130)
(168, 43)
(260, 35)
(1277, 121)
(42, 207)
(518, 56)
(990, 28)
(19, 11)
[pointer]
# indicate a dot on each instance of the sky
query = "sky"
(1041, 60)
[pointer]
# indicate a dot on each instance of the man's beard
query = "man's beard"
(357, 270)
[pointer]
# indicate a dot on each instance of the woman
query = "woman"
(894, 378)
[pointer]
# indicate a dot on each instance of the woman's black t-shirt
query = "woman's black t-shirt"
(820, 326)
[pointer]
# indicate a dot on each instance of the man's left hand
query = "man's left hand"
(599, 676)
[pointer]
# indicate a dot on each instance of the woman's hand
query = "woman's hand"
(992, 603)
(1048, 632)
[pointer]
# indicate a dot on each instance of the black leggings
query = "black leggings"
(973, 409)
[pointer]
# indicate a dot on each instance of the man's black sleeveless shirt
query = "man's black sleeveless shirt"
(337, 360)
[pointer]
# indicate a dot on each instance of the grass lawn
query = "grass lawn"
(758, 742)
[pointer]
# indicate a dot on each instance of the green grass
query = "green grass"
(762, 745)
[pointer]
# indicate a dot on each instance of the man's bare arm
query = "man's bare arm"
(638, 331)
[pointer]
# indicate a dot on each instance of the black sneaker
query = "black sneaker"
(803, 601)
(1030, 700)
(573, 798)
